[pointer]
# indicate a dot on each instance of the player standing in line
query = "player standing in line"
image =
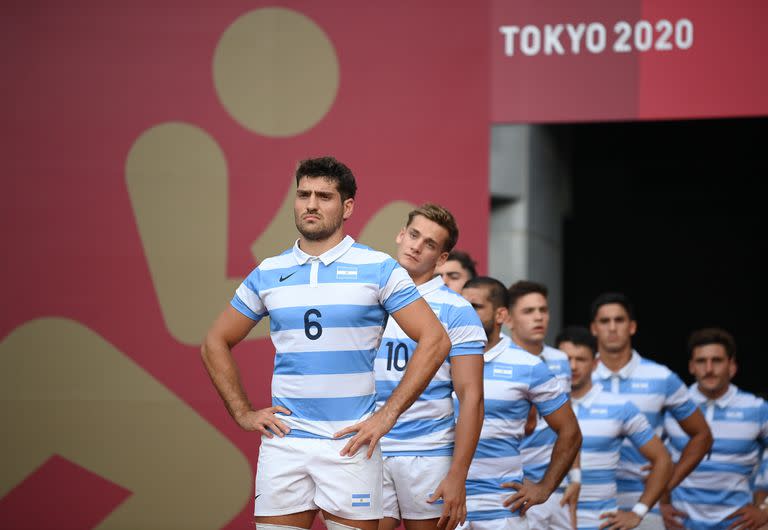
(457, 269)
(528, 323)
(718, 494)
(328, 299)
(606, 420)
(514, 380)
(654, 389)
(426, 457)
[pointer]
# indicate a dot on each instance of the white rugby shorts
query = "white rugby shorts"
(299, 474)
(409, 481)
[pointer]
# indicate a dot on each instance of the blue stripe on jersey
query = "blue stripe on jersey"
(327, 409)
(332, 316)
(434, 390)
(549, 406)
(497, 448)
(541, 438)
(466, 348)
(412, 429)
(491, 515)
(599, 506)
(502, 409)
(711, 496)
(323, 362)
(480, 486)
(598, 476)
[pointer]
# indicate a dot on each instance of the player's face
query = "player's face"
(420, 247)
(318, 209)
(613, 329)
(529, 318)
(492, 318)
(582, 360)
(454, 275)
(712, 369)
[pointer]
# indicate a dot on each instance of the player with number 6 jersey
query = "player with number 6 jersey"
(328, 299)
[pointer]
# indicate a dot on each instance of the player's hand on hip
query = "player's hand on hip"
(571, 498)
(368, 432)
(673, 518)
(620, 520)
(265, 421)
(528, 494)
(748, 517)
(452, 489)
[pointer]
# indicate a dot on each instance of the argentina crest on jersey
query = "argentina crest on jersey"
(346, 272)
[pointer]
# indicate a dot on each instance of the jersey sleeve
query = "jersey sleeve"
(545, 391)
(761, 479)
(396, 289)
(247, 300)
(465, 331)
(676, 399)
(635, 425)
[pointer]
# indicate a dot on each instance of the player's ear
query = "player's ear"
(349, 206)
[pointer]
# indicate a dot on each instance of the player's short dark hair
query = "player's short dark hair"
(466, 261)
(702, 337)
(611, 298)
(441, 216)
(579, 335)
(497, 293)
(523, 287)
(331, 169)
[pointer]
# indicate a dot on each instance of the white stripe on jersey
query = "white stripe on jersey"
(295, 340)
(322, 386)
(324, 294)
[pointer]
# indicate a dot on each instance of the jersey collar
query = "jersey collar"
(494, 352)
(327, 257)
(587, 399)
(432, 285)
(624, 372)
(721, 402)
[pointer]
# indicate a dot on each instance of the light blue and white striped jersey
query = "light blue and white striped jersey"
(427, 427)
(654, 389)
(513, 379)
(720, 484)
(537, 448)
(327, 314)
(606, 420)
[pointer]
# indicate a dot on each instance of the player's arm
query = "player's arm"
(700, 442)
(563, 422)
(227, 331)
(467, 376)
(419, 322)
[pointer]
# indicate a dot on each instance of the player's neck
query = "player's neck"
(494, 339)
(615, 361)
(534, 347)
(318, 247)
(582, 391)
(422, 278)
(713, 395)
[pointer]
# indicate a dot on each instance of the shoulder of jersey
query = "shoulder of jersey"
(446, 295)
(281, 261)
(520, 356)
(365, 254)
(656, 368)
(748, 400)
(553, 353)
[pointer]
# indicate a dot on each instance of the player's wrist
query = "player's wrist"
(640, 509)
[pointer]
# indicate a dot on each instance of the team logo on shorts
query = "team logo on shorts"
(346, 273)
(361, 500)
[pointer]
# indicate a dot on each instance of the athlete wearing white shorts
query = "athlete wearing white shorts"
(426, 457)
(328, 299)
